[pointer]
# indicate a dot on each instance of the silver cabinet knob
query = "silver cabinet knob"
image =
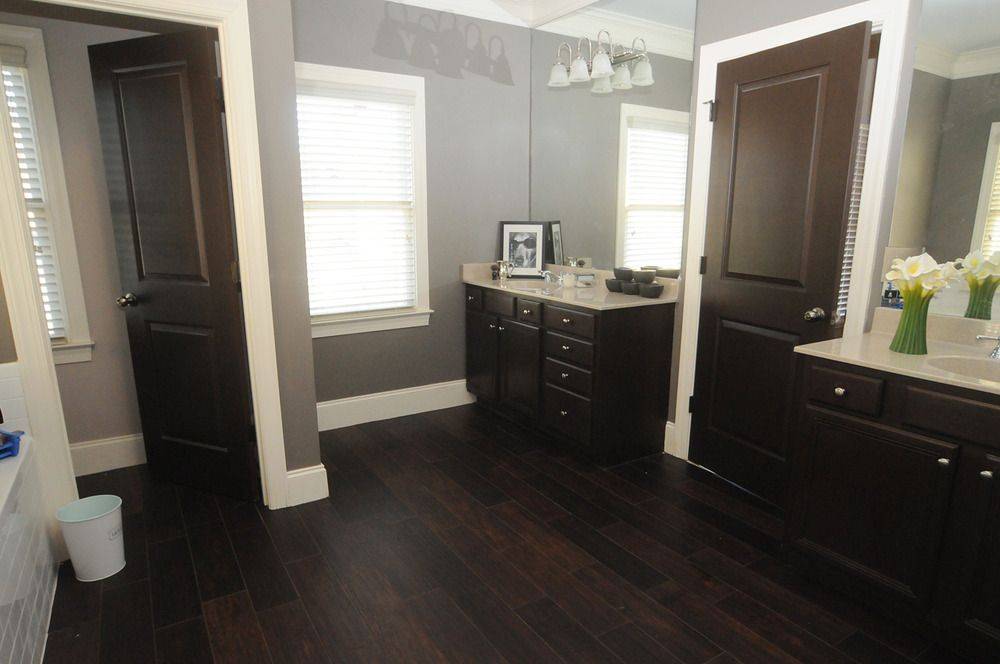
(814, 314)
(944, 462)
(127, 300)
(840, 391)
(567, 321)
(502, 328)
(986, 474)
(564, 375)
(563, 413)
(493, 326)
(470, 298)
(565, 347)
(526, 312)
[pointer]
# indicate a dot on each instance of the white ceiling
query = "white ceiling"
(678, 13)
(959, 26)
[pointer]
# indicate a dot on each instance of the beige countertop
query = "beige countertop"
(872, 351)
(593, 297)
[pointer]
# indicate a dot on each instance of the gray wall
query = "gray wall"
(973, 105)
(99, 396)
(722, 19)
(274, 83)
(574, 147)
(911, 212)
(477, 175)
(7, 351)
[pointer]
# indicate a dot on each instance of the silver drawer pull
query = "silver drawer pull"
(840, 391)
(493, 326)
(526, 312)
(563, 413)
(986, 474)
(944, 462)
(567, 321)
(502, 328)
(566, 348)
(470, 298)
(564, 375)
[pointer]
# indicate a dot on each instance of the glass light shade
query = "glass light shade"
(578, 71)
(622, 80)
(601, 67)
(602, 86)
(642, 75)
(559, 77)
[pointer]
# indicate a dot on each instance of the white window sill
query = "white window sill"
(73, 352)
(333, 326)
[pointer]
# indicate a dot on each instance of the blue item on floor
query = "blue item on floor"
(10, 443)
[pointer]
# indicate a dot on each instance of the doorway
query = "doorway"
(41, 391)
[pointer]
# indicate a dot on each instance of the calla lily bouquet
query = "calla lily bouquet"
(982, 273)
(918, 279)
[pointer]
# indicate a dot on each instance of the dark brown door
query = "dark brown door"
(782, 155)
(162, 134)
(481, 354)
(872, 502)
(969, 589)
(520, 366)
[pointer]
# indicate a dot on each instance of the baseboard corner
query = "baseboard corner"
(306, 485)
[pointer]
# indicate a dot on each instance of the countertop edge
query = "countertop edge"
(639, 302)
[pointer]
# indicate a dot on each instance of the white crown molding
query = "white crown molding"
(660, 38)
(481, 9)
(395, 403)
(941, 62)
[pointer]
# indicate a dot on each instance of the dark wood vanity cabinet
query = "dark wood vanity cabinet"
(894, 494)
(597, 381)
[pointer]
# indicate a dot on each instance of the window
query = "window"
(652, 178)
(851, 232)
(32, 118)
(362, 151)
(986, 235)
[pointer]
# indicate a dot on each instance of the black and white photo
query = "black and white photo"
(523, 246)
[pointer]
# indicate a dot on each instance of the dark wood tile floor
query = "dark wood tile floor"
(451, 536)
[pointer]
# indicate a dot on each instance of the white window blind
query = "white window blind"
(851, 234)
(655, 175)
(359, 194)
(991, 229)
(22, 116)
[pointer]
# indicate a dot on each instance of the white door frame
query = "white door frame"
(41, 390)
(892, 88)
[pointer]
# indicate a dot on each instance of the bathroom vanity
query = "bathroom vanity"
(589, 368)
(895, 481)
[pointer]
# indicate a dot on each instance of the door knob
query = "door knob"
(814, 314)
(986, 474)
(944, 462)
(127, 300)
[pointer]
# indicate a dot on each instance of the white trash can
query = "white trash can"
(92, 528)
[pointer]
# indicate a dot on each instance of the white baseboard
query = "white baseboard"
(670, 439)
(307, 484)
(395, 403)
(97, 456)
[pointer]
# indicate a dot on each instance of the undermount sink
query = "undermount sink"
(983, 368)
(531, 286)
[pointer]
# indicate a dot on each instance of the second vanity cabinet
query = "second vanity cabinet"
(596, 380)
(895, 493)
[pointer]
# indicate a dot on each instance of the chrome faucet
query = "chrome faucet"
(995, 355)
(552, 278)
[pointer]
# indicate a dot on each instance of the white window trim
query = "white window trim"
(418, 315)
(78, 345)
(989, 170)
(629, 111)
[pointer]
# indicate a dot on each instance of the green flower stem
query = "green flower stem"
(911, 335)
(981, 297)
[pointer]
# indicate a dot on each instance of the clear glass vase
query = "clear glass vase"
(911, 335)
(981, 298)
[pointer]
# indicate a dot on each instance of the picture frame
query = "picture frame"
(523, 244)
(555, 238)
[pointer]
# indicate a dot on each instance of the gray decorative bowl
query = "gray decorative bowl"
(630, 288)
(623, 273)
(614, 285)
(644, 276)
(652, 291)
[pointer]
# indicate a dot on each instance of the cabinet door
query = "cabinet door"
(481, 354)
(969, 590)
(871, 501)
(520, 366)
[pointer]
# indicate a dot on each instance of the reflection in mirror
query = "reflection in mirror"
(948, 195)
(609, 154)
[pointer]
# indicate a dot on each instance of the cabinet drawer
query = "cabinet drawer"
(568, 348)
(568, 377)
(566, 320)
(952, 416)
(860, 394)
(499, 303)
(568, 414)
(529, 312)
(473, 298)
